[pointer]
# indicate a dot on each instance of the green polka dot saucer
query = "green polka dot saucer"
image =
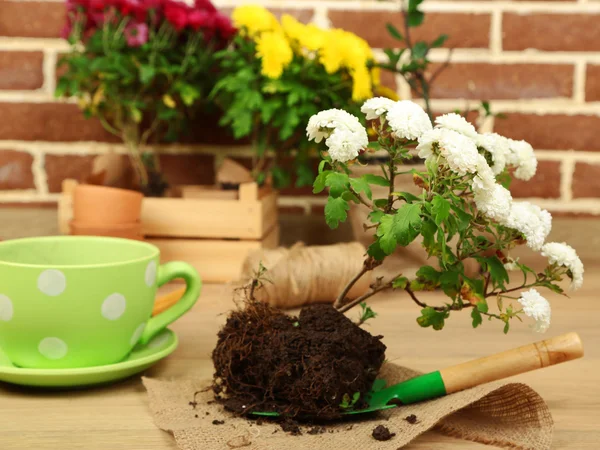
(141, 358)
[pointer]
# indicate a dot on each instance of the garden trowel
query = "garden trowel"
(470, 374)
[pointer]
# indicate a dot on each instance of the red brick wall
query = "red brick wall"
(536, 61)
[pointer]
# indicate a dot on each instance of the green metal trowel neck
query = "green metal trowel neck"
(418, 389)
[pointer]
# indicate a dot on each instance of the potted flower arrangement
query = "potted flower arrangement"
(141, 68)
(276, 75)
(320, 363)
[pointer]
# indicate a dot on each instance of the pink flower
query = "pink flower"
(201, 19)
(177, 14)
(225, 27)
(136, 34)
(205, 5)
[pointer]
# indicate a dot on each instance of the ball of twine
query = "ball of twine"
(304, 275)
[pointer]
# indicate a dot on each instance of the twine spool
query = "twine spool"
(304, 275)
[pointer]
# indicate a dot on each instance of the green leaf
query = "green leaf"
(428, 230)
(429, 274)
(407, 223)
(337, 183)
(375, 216)
(360, 185)
(366, 313)
(498, 273)
(189, 94)
(477, 319)
(375, 251)
(464, 219)
(413, 5)
(387, 234)
(432, 318)
(380, 202)
(322, 165)
(394, 32)
(336, 211)
(410, 198)
(400, 283)
(506, 327)
(376, 180)
(419, 50)
(441, 209)
(319, 184)
(415, 18)
(482, 306)
(449, 281)
(442, 38)
(147, 74)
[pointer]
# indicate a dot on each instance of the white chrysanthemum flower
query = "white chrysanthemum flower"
(494, 203)
(538, 308)
(498, 147)
(531, 221)
(458, 150)
(408, 120)
(522, 157)
(561, 254)
(321, 125)
(345, 145)
(511, 264)
(484, 178)
(458, 123)
(375, 107)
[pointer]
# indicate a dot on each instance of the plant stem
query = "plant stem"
(360, 199)
(362, 298)
(339, 302)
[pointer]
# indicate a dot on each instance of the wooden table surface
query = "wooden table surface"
(117, 417)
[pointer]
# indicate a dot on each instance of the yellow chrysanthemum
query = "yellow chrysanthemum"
(376, 76)
(309, 37)
(361, 84)
(332, 52)
(314, 37)
(292, 28)
(384, 91)
(275, 52)
(254, 19)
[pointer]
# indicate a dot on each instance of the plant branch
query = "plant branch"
(360, 199)
(362, 298)
(339, 302)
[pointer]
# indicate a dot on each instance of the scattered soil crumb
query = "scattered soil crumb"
(196, 416)
(331, 431)
(210, 402)
(193, 404)
(317, 430)
(290, 426)
(259, 422)
(412, 419)
(350, 427)
(382, 433)
(275, 430)
(207, 413)
(218, 422)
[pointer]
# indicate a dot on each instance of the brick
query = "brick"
(304, 15)
(31, 19)
(388, 79)
(188, 169)
(586, 180)
(592, 83)
(54, 122)
(552, 131)
(551, 32)
(21, 70)
(15, 170)
(60, 167)
(503, 81)
(545, 183)
(371, 26)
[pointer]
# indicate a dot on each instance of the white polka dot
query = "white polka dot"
(151, 273)
(159, 340)
(6, 308)
(53, 348)
(52, 282)
(113, 306)
(137, 334)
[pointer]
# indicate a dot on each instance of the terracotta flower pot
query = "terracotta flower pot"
(126, 231)
(101, 205)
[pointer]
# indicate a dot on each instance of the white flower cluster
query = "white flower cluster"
(408, 120)
(498, 147)
(533, 222)
(376, 107)
(538, 308)
(344, 134)
(458, 123)
(561, 254)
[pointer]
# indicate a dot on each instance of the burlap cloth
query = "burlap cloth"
(503, 414)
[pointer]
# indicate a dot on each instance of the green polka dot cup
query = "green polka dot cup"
(81, 301)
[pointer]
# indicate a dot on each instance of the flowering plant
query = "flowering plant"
(462, 212)
(278, 74)
(141, 67)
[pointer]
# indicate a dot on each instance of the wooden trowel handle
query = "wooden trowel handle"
(512, 362)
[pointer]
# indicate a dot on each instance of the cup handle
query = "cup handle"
(168, 272)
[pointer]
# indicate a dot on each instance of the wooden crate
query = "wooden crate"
(205, 213)
(212, 229)
(216, 260)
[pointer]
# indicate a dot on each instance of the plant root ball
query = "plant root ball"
(296, 366)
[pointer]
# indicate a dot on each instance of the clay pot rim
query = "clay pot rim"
(107, 190)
